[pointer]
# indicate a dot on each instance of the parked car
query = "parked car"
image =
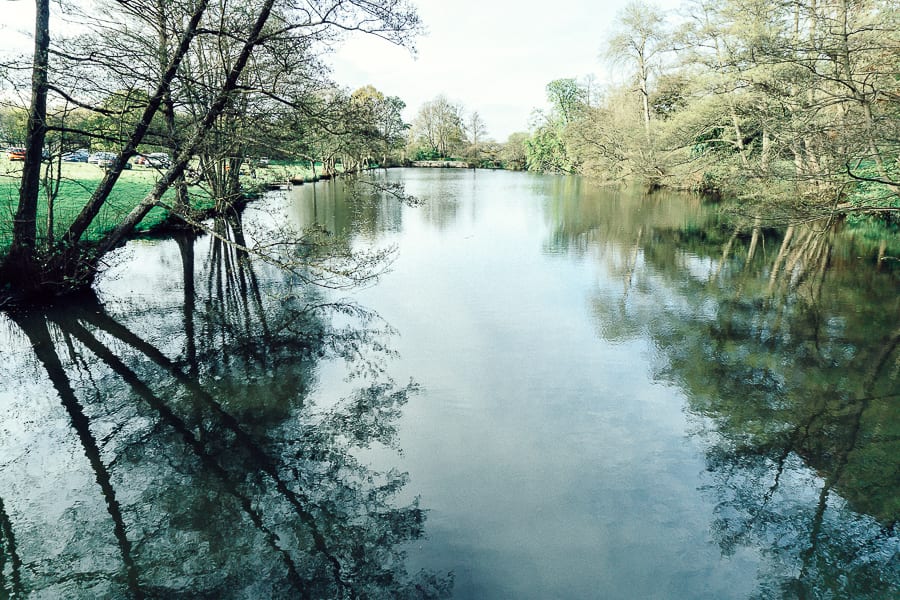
(107, 161)
(76, 156)
(19, 154)
(15, 153)
(157, 160)
(96, 157)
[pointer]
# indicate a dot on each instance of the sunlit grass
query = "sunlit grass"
(79, 180)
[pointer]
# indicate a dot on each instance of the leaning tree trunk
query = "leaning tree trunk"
(92, 208)
(68, 266)
(176, 171)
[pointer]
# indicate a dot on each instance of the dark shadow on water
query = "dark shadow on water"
(219, 475)
(36, 329)
(10, 563)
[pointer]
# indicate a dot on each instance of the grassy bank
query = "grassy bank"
(78, 183)
(80, 179)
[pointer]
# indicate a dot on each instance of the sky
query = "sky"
(18, 17)
(492, 56)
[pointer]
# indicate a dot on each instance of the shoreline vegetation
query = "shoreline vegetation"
(77, 180)
(787, 111)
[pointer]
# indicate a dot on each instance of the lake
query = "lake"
(550, 390)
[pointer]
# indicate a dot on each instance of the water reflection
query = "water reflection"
(785, 344)
(348, 207)
(170, 449)
(326, 205)
(198, 438)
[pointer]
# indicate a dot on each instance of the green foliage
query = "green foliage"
(545, 151)
(513, 154)
(12, 125)
(567, 97)
(426, 154)
(868, 190)
(763, 102)
(670, 95)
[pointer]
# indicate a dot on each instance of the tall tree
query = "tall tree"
(547, 148)
(236, 91)
(567, 97)
(438, 128)
(476, 129)
(513, 154)
(640, 44)
(21, 259)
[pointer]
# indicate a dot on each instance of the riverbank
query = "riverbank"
(874, 241)
(442, 164)
(78, 181)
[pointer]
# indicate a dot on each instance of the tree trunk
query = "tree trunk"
(92, 208)
(645, 101)
(21, 256)
(754, 239)
(176, 171)
(168, 105)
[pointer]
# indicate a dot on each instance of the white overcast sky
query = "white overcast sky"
(493, 56)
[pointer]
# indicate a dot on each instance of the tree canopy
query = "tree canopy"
(212, 84)
(789, 102)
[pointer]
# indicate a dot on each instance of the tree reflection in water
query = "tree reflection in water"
(785, 345)
(209, 472)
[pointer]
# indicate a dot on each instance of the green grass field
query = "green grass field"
(79, 181)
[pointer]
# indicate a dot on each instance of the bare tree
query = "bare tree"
(232, 74)
(438, 127)
(639, 43)
(476, 128)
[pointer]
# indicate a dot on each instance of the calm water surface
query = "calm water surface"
(554, 392)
